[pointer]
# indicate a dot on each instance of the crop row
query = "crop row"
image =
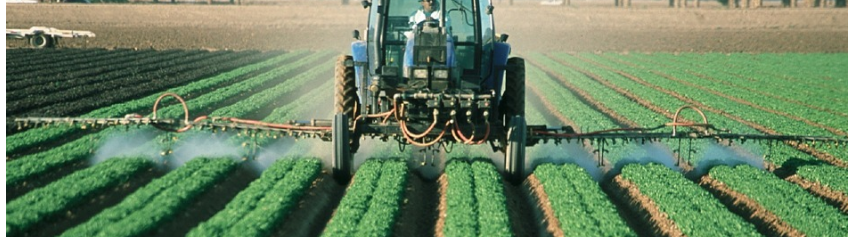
(166, 77)
(219, 99)
(158, 201)
(733, 95)
(694, 210)
(37, 136)
(58, 197)
(63, 69)
(257, 209)
(572, 107)
(811, 91)
(630, 86)
(781, 153)
(582, 209)
(698, 95)
(25, 168)
(372, 201)
(24, 61)
(474, 200)
(808, 214)
(60, 79)
(150, 64)
(814, 73)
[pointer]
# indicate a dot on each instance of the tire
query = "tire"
(346, 109)
(513, 100)
(515, 150)
(346, 100)
(41, 41)
(342, 157)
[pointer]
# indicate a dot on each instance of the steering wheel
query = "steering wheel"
(433, 23)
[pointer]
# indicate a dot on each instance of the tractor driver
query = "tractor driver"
(428, 12)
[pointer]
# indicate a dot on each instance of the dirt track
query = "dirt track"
(583, 27)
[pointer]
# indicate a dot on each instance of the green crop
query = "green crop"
(581, 207)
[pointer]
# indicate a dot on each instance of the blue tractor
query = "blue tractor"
(430, 82)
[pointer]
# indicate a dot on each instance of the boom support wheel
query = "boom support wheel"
(342, 157)
(513, 99)
(515, 150)
(41, 41)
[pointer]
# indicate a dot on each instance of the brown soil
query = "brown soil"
(642, 207)
(521, 209)
(545, 211)
(82, 213)
(647, 26)
(314, 210)
(764, 220)
(440, 220)
(419, 211)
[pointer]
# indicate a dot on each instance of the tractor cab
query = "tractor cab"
(406, 48)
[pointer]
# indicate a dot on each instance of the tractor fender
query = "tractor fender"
(359, 49)
(501, 53)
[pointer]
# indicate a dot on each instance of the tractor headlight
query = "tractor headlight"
(440, 73)
(420, 73)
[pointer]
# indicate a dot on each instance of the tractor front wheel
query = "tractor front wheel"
(515, 150)
(342, 157)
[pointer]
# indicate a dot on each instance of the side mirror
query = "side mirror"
(490, 9)
(356, 34)
(503, 38)
(365, 4)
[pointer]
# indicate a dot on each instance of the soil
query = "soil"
(419, 211)
(315, 209)
(550, 223)
(441, 208)
(585, 26)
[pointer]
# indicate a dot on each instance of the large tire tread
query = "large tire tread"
(513, 100)
(346, 100)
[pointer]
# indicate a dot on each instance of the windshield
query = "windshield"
(458, 19)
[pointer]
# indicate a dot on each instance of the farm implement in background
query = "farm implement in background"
(391, 125)
(45, 37)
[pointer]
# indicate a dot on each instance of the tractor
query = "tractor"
(430, 83)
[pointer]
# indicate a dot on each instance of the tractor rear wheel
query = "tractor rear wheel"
(346, 100)
(513, 100)
(515, 150)
(346, 109)
(41, 41)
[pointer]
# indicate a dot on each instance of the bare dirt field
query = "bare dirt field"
(585, 26)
